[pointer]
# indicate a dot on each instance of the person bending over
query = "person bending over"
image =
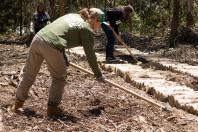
(68, 31)
(114, 16)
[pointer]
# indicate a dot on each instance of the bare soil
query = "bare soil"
(89, 105)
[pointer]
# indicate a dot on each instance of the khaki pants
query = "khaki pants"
(39, 51)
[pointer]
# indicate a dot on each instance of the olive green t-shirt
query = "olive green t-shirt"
(71, 31)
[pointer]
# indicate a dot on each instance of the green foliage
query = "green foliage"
(9, 14)
(149, 17)
(151, 14)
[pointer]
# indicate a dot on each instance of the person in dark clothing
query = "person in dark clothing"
(40, 18)
(114, 16)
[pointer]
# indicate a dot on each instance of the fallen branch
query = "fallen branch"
(11, 82)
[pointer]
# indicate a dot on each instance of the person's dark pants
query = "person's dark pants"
(110, 40)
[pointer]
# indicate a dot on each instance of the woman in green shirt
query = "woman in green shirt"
(68, 31)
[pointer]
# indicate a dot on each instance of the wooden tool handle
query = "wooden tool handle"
(122, 42)
(120, 87)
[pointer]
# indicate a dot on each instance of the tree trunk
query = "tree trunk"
(110, 3)
(189, 18)
(21, 17)
(130, 2)
(174, 23)
(114, 3)
(62, 7)
(52, 7)
(89, 4)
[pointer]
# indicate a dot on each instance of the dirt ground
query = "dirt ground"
(90, 106)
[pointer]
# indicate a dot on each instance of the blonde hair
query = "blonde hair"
(85, 13)
(90, 13)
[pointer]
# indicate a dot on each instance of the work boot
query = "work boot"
(54, 111)
(18, 104)
(112, 59)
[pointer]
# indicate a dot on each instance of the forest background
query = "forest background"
(158, 18)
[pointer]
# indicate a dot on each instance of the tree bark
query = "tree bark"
(105, 4)
(52, 7)
(21, 17)
(174, 23)
(130, 2)
(189, 18)
(114, 3)
(62, 7)
(110, 3)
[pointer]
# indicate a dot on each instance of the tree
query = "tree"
(9, 15)
(189, 18)
(53, 9)
(174, 23)
(150, 15)
(62, 7)
(111, 3)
